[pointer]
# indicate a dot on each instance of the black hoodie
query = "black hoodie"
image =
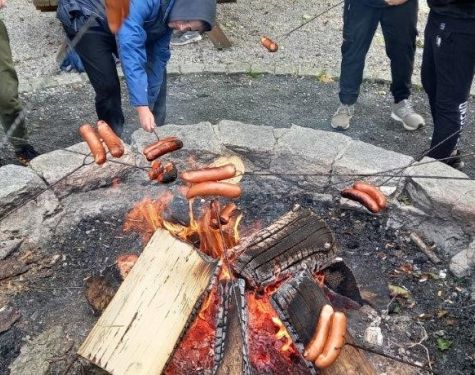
(462, 9)
(188, 10)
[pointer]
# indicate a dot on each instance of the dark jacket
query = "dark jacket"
(73, 14)
(463, 9)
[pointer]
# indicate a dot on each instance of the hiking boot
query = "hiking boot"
(180, 39)
(342, 117)
(25, 154)
(455, 160)
(403, 112)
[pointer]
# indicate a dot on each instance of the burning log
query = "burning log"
(235, 344)
(298, 302)
(140, 328)
(298, 239)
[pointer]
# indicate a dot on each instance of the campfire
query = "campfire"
(249, 305)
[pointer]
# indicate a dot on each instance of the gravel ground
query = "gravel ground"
(278, 101)
(36, 38)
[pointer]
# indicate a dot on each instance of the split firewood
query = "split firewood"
(424, 248)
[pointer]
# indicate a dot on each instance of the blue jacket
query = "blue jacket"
(143, 42)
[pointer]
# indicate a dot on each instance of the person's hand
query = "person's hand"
(3, 3)
(146, 118)
(395, 2)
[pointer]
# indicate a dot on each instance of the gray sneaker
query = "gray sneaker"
(180, 39)
(342, 117)
(403, 112)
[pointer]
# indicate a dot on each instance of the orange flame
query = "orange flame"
(261, 313)
(147, 216)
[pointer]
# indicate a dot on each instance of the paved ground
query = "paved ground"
(268, 100)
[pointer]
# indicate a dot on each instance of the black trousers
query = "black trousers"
(447, 73)
(399, 25)
(97, 48)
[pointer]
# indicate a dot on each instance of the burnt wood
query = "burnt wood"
(298, 301)
(298, 240)
(236, 359)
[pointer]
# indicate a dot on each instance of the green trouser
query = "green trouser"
(10, 105)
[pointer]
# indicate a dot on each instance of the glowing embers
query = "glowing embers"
(271, 350)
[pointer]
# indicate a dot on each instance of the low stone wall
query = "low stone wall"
(292, 161)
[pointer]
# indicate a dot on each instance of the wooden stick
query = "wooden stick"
(424, 248)
(219, 39)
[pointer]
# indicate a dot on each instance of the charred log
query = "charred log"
(236, 360)
(298, 302)
(299, 239)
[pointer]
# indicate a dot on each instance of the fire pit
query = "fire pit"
(285, 167)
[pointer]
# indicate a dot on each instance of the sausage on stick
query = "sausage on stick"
(210, 174)
(362, 198)
(90, 135)
(334, 342)
(317, 343)
(211, 188)
(112, 141)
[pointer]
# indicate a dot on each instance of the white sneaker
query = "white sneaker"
(403, 112)
(342, 117)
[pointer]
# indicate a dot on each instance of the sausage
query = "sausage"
(149, 148)
(227, 212)
(373, 192)
(334, 342)
(90, 135)
(208, 188)
(155, 170)
(116, 12)
(210, 174)
(269, 44)
(164, 147)
(315, 346)
(362, 198)
(168, 173)
(112, 141)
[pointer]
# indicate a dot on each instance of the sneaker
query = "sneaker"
(455, 160)
(180, 39)
(403, 112)
(341, 119)
(25, 154)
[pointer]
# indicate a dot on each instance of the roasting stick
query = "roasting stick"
(397, 359)
(285, 35)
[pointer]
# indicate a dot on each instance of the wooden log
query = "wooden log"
(236, 360)
(298, 302)
(139, 330)
(299, 239)
(46, 5)
(218, 38)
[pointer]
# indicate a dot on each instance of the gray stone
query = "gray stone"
(255, 144)
(305, 151)
(363, 158)
(17, 184)
(33, 222)
(53, 166)
(8, 247)
(35, 355)
(59, 164)
(442, 197)
(199, 140)
(463, 264)
(374, 336)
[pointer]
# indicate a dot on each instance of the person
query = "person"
(142, 43)
(398, 19)
(448, 67)
(11, 111)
